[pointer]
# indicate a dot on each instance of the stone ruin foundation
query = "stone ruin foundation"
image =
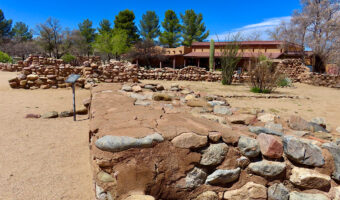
(151, 142)
(38, 72)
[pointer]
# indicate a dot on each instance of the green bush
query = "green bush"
(258, 90)
(284, 82)
(5, 58)
(68, 58)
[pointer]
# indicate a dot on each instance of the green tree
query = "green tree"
(193, 29)
(21, 32)
(149, 26)
(170, 37)
(104, 26)
(5, 27)
(88, 33)
(125, 21)
(112, 43)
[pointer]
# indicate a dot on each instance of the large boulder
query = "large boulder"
(278, 192)
(302, 152)
(248, 147)
(214, 154)
(270, 146)
(309, 179)
(267, 168)
(189, 140)
(250, 191)
(222, 177)
(306, 196)
(195, 178)
(335, 151)
(120, 143)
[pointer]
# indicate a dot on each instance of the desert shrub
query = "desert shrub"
(68, 58)
(263, 75)
(229, 60)
(284, 82)
(5, 58)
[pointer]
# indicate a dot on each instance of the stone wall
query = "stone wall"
(151, 142)
(52, 73)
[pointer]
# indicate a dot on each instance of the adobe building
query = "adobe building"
(198, 53)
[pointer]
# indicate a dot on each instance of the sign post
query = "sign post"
(72, 79)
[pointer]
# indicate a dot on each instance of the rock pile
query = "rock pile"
(205, 149)
(189, 73)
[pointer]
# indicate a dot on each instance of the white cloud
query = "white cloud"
(250, 29)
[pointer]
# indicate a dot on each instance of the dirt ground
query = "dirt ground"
(42, 158)
(313, 102)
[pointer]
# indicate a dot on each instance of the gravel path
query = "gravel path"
(42, 158)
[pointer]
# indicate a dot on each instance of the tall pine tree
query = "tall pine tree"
(125, 21)
(149, 26)
(193, 29)
(88, 33)
(5, 27)
(170, 37)
(21, 32)
(104, 26)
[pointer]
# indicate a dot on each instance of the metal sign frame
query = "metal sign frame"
(72, 79)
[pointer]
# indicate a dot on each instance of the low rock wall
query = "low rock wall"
(151, 142)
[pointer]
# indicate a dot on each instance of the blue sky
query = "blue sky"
(220, 16)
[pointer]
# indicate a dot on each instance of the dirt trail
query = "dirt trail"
(42, 158)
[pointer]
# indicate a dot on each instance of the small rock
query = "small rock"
(66, 114)
(48, 115)
(335, 151)
(81, 111)
(241, 119)
(214, 154)
(217, 103)
(221, 177)
(161, 97)
(267, 168)
(140, 197)
(136, 88)
(215, 118)
(189, 97)
(259, 129)
(335, 193)
(195, 178)
(120, 143)
(150, 87)
(278, 192)
(197, 103)
(223, 110)
(268, 117)
(250, 191)
(208, 195)
(127, 88)
(248, 147)
(297, 123)
(32, 77)
(100, 193)
(186, 92)
(270, 146)
(142, 103)
(306, 196)
(189, 140)
(105, 177)
(242, 162)
(309, 179)
(215, 136)
(302, 152)
(159, 87)
(33, 116)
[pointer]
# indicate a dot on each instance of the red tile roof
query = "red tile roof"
(241, 43)
(243, 55)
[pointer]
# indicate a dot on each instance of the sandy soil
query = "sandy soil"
(42, 158)
(321, 102)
